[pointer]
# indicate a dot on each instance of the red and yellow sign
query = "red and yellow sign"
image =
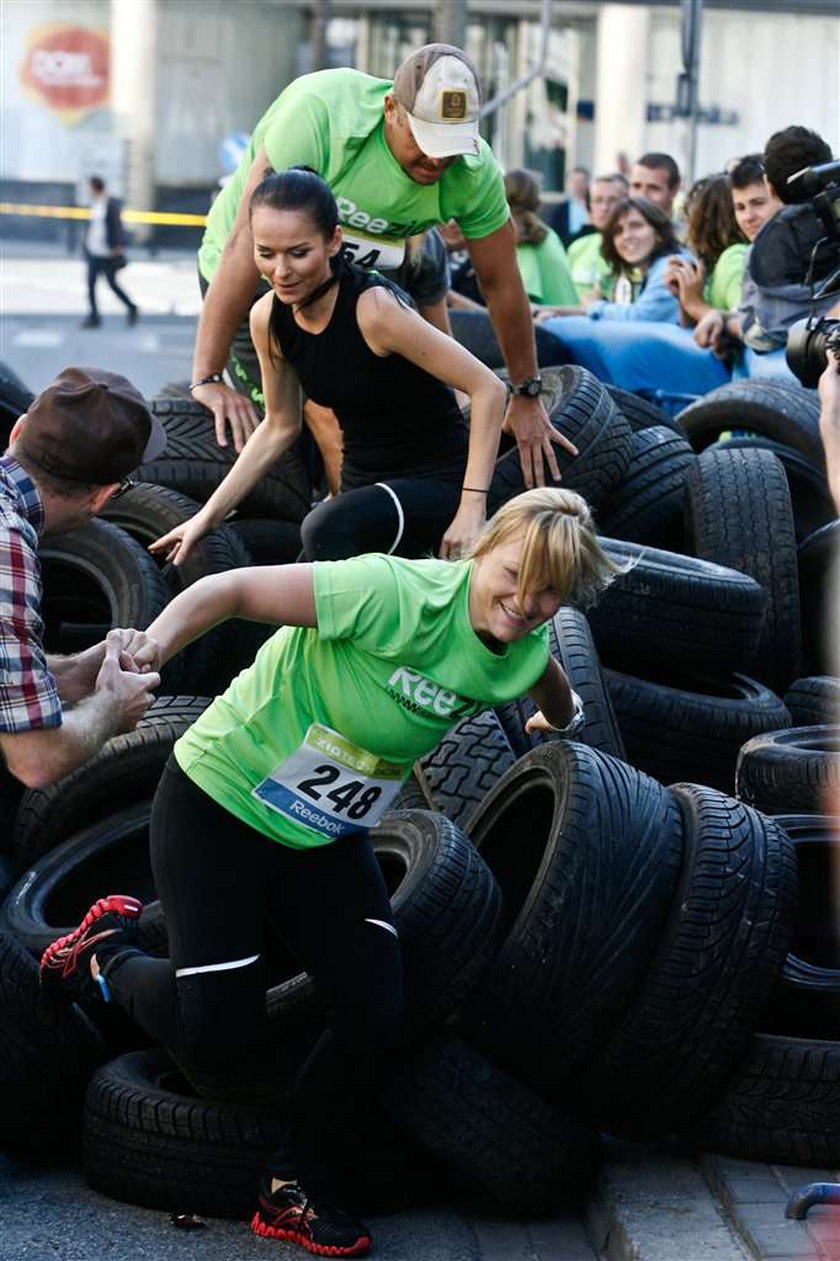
(67, 68)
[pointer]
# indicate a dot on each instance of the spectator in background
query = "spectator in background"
(753, 203)
(712, 280)
(656, 177)
(776, 294)
(464, 291)
(635, 341)
(588, 265)
(539, 253)
(830, 424)
(105, 250)
(542, 261)
(637, 243)
(568, 217)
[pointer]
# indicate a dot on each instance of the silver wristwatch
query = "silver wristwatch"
(531, 387)
(576, 721)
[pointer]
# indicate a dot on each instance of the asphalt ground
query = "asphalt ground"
(52, 1215)
(43, 300)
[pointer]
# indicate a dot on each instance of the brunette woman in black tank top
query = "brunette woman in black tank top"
(414, 480)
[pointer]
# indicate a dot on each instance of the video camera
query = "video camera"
(810, 341)
(821, 184)
(809, 344)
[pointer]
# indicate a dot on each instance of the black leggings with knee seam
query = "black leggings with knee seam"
(221, 883)
(402, 516)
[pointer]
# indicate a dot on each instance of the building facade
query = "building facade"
(156, 94)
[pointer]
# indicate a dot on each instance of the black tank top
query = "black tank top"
(397, 420)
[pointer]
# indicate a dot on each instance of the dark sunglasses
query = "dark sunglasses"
(127, 483)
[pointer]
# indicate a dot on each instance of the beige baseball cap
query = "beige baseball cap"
(439, 88)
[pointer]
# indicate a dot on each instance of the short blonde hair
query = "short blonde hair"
(560, 548)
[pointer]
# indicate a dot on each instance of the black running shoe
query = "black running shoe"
(112, 919)
(289, 1214)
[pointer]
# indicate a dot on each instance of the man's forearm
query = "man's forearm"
(510, 315)
(38, 758)
(225, 305)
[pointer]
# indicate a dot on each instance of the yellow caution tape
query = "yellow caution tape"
(79, 212)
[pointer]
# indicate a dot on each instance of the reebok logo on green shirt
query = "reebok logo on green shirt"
(349, 213)
(421, 695)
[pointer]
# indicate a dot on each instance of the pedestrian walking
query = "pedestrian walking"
(105, 251)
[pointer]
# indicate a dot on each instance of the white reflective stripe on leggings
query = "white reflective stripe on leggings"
(400, 517)
(218, 967)
(381, 923)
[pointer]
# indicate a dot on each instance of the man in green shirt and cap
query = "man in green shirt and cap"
(400, 157)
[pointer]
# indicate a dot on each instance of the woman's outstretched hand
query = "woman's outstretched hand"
(177, 545)
(463, 530)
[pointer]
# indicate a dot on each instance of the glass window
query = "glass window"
(392, 37)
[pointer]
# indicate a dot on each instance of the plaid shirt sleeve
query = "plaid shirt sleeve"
(29, 697)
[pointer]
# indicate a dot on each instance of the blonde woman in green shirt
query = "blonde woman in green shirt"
(262, 813)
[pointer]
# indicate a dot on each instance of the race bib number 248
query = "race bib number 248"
(330, 785)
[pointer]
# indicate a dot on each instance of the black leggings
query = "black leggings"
(221, 883)
(403, 516)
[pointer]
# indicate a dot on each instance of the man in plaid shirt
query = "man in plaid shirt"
(71, 452)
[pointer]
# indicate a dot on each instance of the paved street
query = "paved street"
(43, 299)
(53, 1216)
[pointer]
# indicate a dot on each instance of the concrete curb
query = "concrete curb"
(652, 1203)
(754, 1196)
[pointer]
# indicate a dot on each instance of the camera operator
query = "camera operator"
(776, 290)
(830, 418)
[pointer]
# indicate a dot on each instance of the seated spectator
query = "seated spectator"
(637, 243)
(635, 341)
(539, 252)
(464, 292)
(712, 281)
(656, 177)
(753, 203)
(586, 262)
(568, 218)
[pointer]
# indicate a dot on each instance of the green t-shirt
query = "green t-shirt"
(588, 265)
(545, 272)
(332, 121)
(723, 287)
(327, 722)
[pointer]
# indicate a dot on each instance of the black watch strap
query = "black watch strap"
(531, 387)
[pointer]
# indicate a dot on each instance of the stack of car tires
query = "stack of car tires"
(718, 663)
(630, 933)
